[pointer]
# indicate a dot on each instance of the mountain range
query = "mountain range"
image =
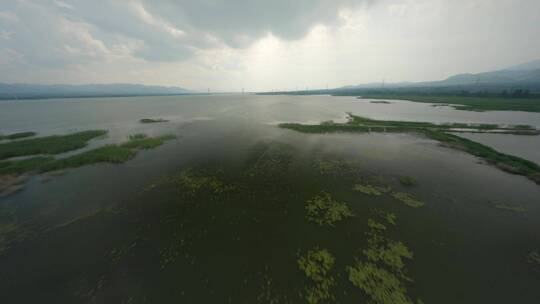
(37, 91)
(522, 75)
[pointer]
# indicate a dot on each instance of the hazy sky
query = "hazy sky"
(261, 45)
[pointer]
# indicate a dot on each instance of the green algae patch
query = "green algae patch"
(509, 207)
(368, 189)
(407, 181)
(49, 145)
(316, 264)
(407, 199)
(324, 210)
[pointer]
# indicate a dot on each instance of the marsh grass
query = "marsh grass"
(316, 265)
(141, 141)
(17, 135)
(152, 120)
(48, 145)
(505, 162)
(470, 103)
(322, 209)
(107, 154)
(25, 165)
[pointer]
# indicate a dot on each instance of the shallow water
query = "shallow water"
(127, 234)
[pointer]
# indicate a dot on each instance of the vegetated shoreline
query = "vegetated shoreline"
(466, 103)
(39, 151)
(357, 124)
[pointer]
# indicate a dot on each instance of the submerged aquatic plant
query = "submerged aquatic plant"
(194, 182)
(407, 199)
(324, 210)
(408, 181)
(367, 189)
(336, 167)
(316, 265)
(269, 160)
(533, 258)
(510, 207)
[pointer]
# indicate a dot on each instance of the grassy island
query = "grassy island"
(440, 133)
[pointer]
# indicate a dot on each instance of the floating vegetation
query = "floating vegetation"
(324, 210)
(316, 265)
(510, 207)
(368, 189)
(152, 120)
(376, 225)
(380, 102)
(191, 182)
(381, 274)
(336, 167)
(269, 160)
(48, 145)
(407, 199)
(381, 285)
(407, 181)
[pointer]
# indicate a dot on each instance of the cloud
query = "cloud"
(174, 30)
(253, 43)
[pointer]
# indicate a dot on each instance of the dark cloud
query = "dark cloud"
(57, 32)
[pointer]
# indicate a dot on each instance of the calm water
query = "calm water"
(130, 234)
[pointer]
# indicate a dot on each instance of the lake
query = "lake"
(221, 215)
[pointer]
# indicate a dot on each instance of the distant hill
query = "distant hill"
(33, 91)
(532, 65)
(525, 75)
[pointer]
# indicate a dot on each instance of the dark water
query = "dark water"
(135, 233)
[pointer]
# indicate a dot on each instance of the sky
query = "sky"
(227, 45)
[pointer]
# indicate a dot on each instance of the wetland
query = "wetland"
(265, 199)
